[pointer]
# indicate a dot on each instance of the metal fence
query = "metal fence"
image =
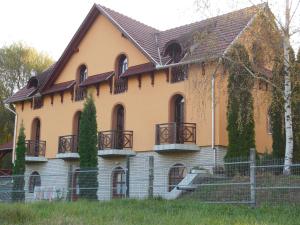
(244, 181)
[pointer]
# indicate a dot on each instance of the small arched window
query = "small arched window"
(122, 64)
(176, 174)
(33, 82)
(174, 51)
(34, 181)
(118, 183)
(83, 72)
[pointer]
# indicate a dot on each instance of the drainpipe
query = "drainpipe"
(15, 129)
(213, 102)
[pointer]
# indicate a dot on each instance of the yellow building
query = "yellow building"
(161, 99)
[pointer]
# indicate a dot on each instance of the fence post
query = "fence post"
(253, 177)
(127, 176)
(151, 176)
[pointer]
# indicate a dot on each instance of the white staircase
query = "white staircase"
(185, 184)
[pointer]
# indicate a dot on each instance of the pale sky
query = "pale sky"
(48, 25)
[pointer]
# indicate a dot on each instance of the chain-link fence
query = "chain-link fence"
(250, 181)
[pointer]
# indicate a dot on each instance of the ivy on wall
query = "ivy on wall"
(241, 134)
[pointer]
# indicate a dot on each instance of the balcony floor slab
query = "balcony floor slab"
(176, 148)
(115, 153)
(35, 159)
(67, 155)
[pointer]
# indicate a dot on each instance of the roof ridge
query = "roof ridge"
(128, 17)
(261, 5)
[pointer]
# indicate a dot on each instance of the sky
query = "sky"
(49, 25)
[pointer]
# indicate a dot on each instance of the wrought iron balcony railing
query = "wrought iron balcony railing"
(35, 148)
(68, 144)
(37, 102)
(175, 133)
(179, 73)
(114, 139)
(121, 85)
(80, 94)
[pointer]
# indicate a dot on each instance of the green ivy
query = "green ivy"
(241, 135)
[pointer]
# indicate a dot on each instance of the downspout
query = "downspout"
(213, 102)
(15, 130)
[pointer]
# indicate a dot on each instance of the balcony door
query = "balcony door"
(76, 129)
(177, 117)
(36, 135)
(118, 126)
(179, 110)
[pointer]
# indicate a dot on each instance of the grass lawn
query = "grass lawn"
(146, 212)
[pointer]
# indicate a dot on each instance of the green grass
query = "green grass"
(146, 212)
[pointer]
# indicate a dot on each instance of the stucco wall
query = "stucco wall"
(145, 106)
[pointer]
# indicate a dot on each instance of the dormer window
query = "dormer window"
(174, 51)
(122, 65)
(33, 82)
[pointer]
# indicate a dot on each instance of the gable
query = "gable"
(99, 49)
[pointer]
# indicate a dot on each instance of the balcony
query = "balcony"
(121, 85)
(115, 143)
(179, 73)
(176, 137)
(79, 94)
(68, 147)
(35, 151)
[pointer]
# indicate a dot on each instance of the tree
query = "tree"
(296, 108)
(18, 63)
(240, 119)
(88, 151)
(19, 168)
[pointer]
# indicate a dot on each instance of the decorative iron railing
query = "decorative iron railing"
(5, 172)
(114, 139)
(179, 73)
(35, 148)
(68, 144)
(175, 133)
(37, 102)
(79, 94)
(121, 85)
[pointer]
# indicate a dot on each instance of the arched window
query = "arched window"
(122, 65)
(174, 51)
(118, 183)
(177, 107)
(118, 126)
(34, 181)
(76, 123)
(176, 174)
(36, 130)
(83, 72)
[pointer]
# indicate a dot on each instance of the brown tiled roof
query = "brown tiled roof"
(6, 146)
(26, 93)
(21, 95)
(217, 33)
(139, 69)
(222, 30)
(141, 33)
(59, 87)
(96, 79)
